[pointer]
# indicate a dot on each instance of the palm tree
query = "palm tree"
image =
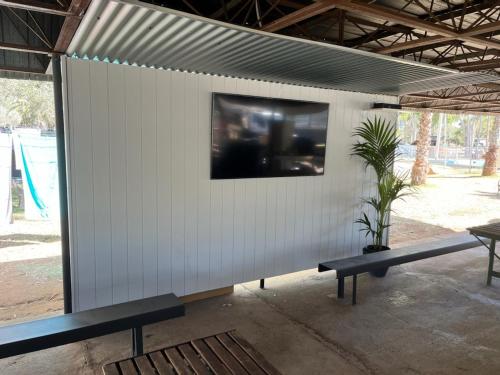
(378, 147)
(490, 158)
(421, 166)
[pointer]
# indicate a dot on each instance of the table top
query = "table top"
(223, 354)
(491, 231)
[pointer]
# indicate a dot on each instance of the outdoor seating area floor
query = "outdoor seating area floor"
(429, 317)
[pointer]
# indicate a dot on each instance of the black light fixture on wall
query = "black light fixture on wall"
(387, 106)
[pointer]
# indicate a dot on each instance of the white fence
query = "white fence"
(469, 157)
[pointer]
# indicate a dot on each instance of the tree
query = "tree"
(421, 166)
(27, 103)
(490, 158)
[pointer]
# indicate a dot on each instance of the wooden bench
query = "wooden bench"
(223, 354)
(60, 330)
(356, 265)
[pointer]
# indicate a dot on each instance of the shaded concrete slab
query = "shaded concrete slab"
(430, 317)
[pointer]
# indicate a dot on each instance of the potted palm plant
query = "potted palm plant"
(378, 147)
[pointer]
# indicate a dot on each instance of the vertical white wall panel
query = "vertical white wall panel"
(101, 188)
(178, 146)
(145, 217)
(204, 218)
(149, 180)
(118, 182)
(134, 184)
(82, 186)
(164, 98)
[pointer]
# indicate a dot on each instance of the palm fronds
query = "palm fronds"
(378, 148)
(379, 145)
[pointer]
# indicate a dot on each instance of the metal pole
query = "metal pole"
(63, 187)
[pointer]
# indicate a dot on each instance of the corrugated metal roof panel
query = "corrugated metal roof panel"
(138, 33)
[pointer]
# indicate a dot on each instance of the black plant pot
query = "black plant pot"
(379, 272)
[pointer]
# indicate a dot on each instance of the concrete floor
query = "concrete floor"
(430, 317)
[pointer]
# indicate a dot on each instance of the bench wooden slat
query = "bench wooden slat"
(255, 355)
(144, 365)
(246, 361)
(161, 364)
(64, 329)
(225, 356)
(222, 354)
(177, 361)
(193, 359)
(215, 364)
(111, 369)
(127, 367)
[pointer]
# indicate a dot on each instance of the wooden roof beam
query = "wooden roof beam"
(476, 65)
(465, 36)
(24, 48)
(470, 55)
(480, 111)
(7, 68)
(471, 6)
(35, 6)
(318, 7)
(77, 9)
(394, 15)
(481, 105)
(451, 98)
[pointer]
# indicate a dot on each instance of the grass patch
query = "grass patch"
(42, 271)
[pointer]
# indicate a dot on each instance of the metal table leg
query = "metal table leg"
(137, 347)
(491, 261)
(354, 287)
(340, 288)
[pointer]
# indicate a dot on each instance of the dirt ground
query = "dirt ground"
(449, 202)
(30, 261)
(30, 271)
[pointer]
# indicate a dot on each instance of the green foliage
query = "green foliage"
(26, 103)
(378, 148)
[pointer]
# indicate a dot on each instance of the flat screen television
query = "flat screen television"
(256, 137)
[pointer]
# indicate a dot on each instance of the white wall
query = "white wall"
(146, 219)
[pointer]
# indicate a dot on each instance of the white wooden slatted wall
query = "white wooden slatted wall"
(146, 219)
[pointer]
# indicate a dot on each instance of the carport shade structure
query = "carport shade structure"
(133, 32)
(347, 45)
(459, 37)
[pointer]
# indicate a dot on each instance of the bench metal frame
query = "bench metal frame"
(353, 266)
(65, 329)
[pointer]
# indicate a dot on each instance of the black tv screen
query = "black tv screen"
(262, 137)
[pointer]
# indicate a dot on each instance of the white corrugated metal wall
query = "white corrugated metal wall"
(146, 219)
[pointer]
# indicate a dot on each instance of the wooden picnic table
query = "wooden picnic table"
(225, 353)
(492, 233)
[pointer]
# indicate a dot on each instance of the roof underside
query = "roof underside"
(37, 31)
(135, 33)
(462, 35)
(32, 30)
(459, 34)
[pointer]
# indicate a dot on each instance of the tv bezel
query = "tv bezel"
(214, 93)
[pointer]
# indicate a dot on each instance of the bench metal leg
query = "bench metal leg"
(262, 283)
(354, 287)
(137, 347)
(491, 261)
(340, 288)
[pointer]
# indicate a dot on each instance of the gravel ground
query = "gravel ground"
(446, 204)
